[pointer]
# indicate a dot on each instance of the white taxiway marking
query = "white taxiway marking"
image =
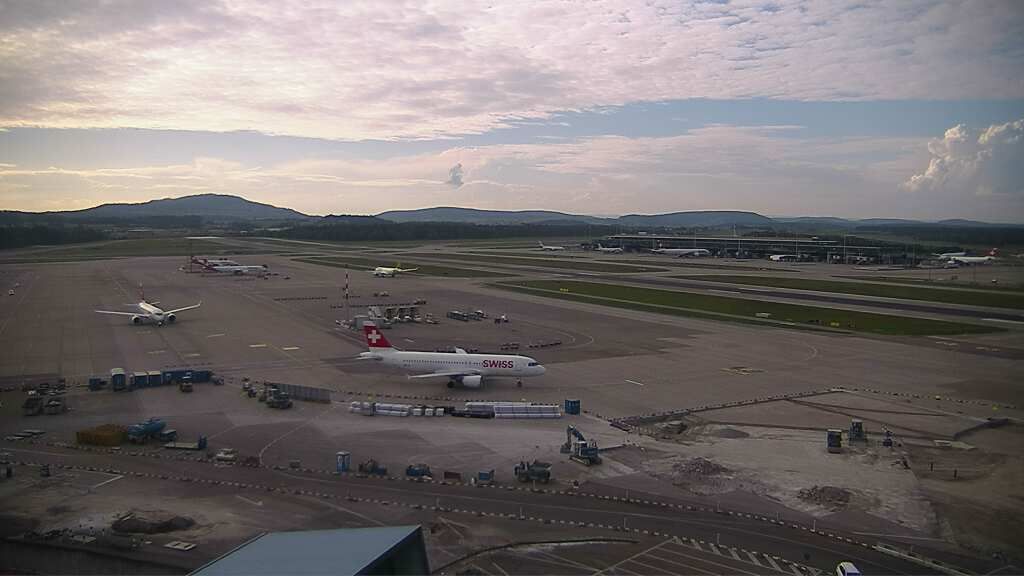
(290, 348)
(409, 341)
(215, 335)
(1002, 320)
(635, 382)
(156, 351)
(253, 502)
(95, 486)
(192, 355)
(257, 345)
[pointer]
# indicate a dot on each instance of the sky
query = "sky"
(911, 109)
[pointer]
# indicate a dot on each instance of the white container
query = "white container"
(417, 411)
(428, 411)
(438, 411)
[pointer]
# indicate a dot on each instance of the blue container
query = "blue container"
(96, 383)
(156, 378)
(572, 406)
(201, 376)
(344, 461)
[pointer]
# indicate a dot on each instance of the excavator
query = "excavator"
(579, 448)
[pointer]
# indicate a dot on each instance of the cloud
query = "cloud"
(455, 175)
(370, 71)
(979, 163)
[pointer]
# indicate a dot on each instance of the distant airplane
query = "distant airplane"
(386, 272)
(552, 248)
(148, 312)
(949, 255)
(616, 250)
(468, 370)
(784, 257)
(993, 255)
(682, 252)
(231, 267)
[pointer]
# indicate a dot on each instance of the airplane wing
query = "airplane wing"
(118, 313)
(446, 374)
(176, 310)
(407, 269)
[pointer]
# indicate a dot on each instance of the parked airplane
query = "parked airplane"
(386, 272)
(229, 266)
(949, 255)
(460, 367)
(616, 250)
(992, 256)
(682, 252)
(784, 257)
(555, 248)
(148, 312)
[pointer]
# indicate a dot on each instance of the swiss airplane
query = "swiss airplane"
(615, 250)
(460, 367)
(387, 272)
(949, 255)
(682, 252)
(992, 256)
(550, 248)
(148, 312)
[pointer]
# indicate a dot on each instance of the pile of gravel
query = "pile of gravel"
(156, 524)
(827, 496)
(699, 467)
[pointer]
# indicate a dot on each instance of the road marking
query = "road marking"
(772, 562)
(1002, 320)
(635, 382)
(95, 486)
(735, 555)
(253, 502)
(156, 351)
(290, 348)
(257, 345)
(662, 570)
(753, 558)
(796, 571)
(215, 335)
(637, 555)
(192, 354)
(409, 341)
(729, 569)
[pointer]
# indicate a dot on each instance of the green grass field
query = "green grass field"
(881, 290)
(1009, 287)
(131, 248)
(423, 269)
(555, 262)
(720, 307)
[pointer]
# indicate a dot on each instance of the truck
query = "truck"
(199, 444)
(185, 386)
(373, 468)
(96, 383)
(226, 455)
(33, 405)
(143, 431)
(418, 471)
(279, 400)
(834, 440)
(458, 315)
(56, 405)
(535, 471)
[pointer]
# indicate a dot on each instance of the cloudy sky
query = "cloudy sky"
(857, 109)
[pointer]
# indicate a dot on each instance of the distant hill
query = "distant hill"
(475, 216)
(698, 219)
(209, 206)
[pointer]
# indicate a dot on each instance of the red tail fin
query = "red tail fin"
(993, 252)
(374, 338)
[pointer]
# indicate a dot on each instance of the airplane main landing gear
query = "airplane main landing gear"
(451, 383)
(519, 383)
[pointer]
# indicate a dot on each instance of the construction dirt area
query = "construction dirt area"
(712, 435)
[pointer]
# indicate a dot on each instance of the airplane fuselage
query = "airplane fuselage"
(502, 365)
(682, 252)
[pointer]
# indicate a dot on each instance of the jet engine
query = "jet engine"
(472, 381)
(170, 318)
(136, 320)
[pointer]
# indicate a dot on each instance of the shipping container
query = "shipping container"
(118, 379)
(572, 406)
(140, 379)
(156, 378)
(201, 376)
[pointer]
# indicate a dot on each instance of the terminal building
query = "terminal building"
(805, 249)
(341, 552)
